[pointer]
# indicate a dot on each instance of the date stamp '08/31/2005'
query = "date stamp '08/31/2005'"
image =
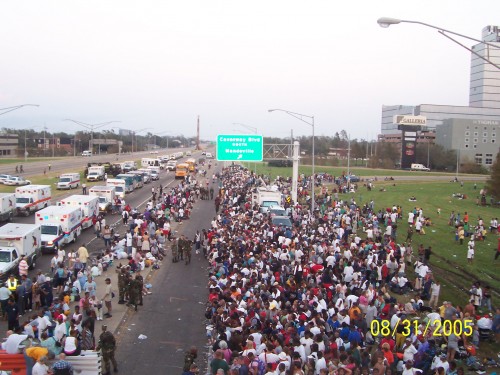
(438, 329)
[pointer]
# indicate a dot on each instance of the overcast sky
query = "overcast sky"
(160, 64)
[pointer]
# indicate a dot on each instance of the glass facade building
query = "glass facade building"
(470, 129)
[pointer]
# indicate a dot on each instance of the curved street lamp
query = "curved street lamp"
(10, 109)
(310, 121)
(91, 127)
(385, 22)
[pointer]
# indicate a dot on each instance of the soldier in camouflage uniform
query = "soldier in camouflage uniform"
(189, 358)
(181, 246)
(122, 284)
(175, 251)
(187, 251)
(140, 280)
(135, 291)
(107, 345)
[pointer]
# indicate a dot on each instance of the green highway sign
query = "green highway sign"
(239, 147)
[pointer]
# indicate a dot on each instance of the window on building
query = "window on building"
(485, 140)
(467, 127)
(466, 146)
(475, 127)
(475, 140)
(485, 128)
(476, 134)
(475, 146)
(478, 158)
(488, 160)
(467, 134)
(485, 134)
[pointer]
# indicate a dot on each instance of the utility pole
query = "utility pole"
(197, 135)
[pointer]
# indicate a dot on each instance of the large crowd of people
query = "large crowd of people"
(333, 294)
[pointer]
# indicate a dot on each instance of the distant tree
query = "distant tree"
(493, 183)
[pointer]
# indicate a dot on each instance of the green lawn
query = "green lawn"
(51, 179)
(262, 168)
(21, 160)
(449, 259)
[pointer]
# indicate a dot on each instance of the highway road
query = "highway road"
(173, 319)
(78, 163)
(138, 198)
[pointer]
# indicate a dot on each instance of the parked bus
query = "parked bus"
(181, 170)
(191, 164)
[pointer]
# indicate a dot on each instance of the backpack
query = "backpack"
(261, 367)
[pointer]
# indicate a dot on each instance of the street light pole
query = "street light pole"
(348, 154)
(91, 127)
(10, 109)
(300, 116)
(387, 21)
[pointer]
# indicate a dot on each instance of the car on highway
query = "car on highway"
(283, 221)
(16, 181)
(171, 165)
(153, 152)
(276, 211)
(4, 177)
(155, 176)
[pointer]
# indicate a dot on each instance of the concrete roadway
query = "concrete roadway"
(78, 163)
(173, 319)
(136, 199)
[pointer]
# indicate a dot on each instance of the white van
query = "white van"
(87, 153)
(419, 167)
(68, 181)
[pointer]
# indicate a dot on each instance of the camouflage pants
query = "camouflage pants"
(107, 356)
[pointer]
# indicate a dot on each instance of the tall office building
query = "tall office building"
(471, 130)
(485, 77)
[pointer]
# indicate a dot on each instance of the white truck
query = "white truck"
(7, 206)
(121, 187)
(17, 240)
(32, 198)
(265, 198)
(150, 162)
(129, 166)
(170, 166)
(419, 167)
(176, 155)
(105, 195)
(154, 173)
(146, 174)
(96, 173)
(60, 225)
(87, 203)
(68, 181)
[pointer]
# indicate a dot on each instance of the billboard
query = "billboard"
(409, 120)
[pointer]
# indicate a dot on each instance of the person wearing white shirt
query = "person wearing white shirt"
(440, 361)
(351, 300)
(306, 342)
(268, 357)
(348, 273)
(409, 350)
(330, 261)
(410, 370)
(320, 363)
